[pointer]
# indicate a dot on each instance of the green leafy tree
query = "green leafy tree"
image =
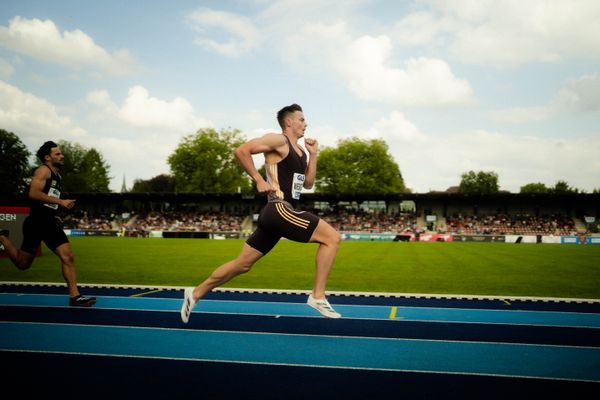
(562, 187)
(358, 166)
(205, 162)
(14, 164)
(95, 171)
(159, 184)
(85, 169)
(535, 188)
(483, 182)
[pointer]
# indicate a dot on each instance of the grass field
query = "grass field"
(501, 269)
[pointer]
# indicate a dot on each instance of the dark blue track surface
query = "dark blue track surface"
(274, 346)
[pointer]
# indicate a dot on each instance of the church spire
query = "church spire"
(124, 186)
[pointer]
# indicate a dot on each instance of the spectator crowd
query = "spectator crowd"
(502, 224)
(343, 221)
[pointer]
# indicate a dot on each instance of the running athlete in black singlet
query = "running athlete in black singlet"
(279, 218)
(288, 170)
(43, 224)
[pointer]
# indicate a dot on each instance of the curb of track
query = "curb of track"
(335, 293)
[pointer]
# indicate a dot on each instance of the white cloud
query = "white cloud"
(137, 137)
(142, 110)
(421, 28)
(365, 65)
(34, 119)
(325, 44)
(435, 162)
(241, 34)
(301, 11)
(508, 32)
(520, 115)
(43, 40)
(422, 82)
(576, 96)
(396, 128)
(580, 95)
(139, 158)
(316, 47)
(144, 131)
(6, 69)
(101, 99)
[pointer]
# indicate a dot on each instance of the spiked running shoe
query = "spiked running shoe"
(81, 301)
(188, 304)
(323, 307)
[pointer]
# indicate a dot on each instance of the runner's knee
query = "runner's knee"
(244, 266)
(67, 258)
(336, 239)
(23, 264)
(23, 261)
(333, 237)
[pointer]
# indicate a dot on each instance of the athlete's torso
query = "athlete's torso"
(287, 176)
(52, 188)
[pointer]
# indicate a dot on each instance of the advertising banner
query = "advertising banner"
(12, 218)
(522, 239)
(551, 239)
(368, 236)
(593, 240)
(86, 232)
(479, 238)
(569, 239)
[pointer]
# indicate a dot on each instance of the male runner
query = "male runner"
(43, 223)
(288, 171)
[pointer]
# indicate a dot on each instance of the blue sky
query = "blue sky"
(495, 85)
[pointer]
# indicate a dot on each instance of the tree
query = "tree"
(95, 171)
(482, 182)
(158, 184)
(205, 162)
(358, 166)
(85, 169)
(535, 188)
(562, 187)
(14, 164)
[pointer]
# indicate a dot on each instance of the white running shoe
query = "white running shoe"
(188, 304)
(323, 307)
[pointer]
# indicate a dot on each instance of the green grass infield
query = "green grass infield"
(494, 269)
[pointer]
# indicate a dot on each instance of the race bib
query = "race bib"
(297, 185)
(53, 192)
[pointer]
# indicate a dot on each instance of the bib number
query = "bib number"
(53, 192)
(297, 185)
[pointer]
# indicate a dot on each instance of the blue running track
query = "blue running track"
(132, 343)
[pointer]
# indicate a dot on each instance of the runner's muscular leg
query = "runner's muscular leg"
(329, 240)
(19, 258)
(242, 264)
(67, 259)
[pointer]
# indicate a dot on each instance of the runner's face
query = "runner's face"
(298, 123)
(57, 158)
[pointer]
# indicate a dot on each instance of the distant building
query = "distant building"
(124, 186)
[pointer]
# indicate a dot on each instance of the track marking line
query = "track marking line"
(393, 313)
(145, 293)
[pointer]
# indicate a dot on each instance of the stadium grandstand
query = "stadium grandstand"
(234, 215)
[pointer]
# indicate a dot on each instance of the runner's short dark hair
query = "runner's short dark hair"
(285, 111)
(45, 150)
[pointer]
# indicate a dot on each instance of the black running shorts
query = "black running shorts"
(280, 219)
(37, 229)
